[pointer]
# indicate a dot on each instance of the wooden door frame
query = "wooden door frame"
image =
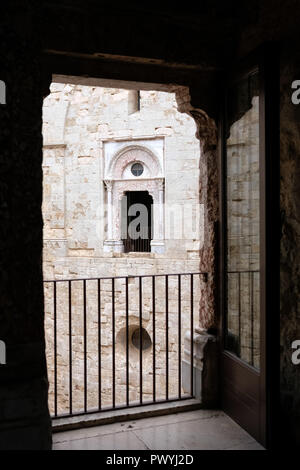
(265, 59)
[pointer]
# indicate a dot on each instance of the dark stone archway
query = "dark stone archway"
(168, 47)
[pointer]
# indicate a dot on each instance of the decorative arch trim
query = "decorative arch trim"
(132, 154)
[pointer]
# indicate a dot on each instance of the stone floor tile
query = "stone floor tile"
(193, 430)
(210, 434)
(135, 424)
(119, 441)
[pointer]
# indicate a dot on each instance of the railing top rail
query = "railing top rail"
(127, 277)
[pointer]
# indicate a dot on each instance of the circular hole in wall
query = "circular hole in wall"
(137, 169)
(146, 340)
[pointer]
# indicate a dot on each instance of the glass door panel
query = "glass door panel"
(242, 240)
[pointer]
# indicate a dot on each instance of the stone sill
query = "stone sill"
(134, 254)
(127, 414)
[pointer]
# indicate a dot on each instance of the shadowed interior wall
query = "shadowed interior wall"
(24, 418)
(290, 239)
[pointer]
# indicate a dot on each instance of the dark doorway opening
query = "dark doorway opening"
(137, 221)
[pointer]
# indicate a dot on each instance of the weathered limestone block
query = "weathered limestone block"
(205, 371)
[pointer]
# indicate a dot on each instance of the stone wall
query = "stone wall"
(81, 125)
(78, 122)
(290, 241)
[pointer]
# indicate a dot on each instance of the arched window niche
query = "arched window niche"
(132, 169)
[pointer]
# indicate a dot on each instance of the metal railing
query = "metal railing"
(243, 314)
(140, 244)
(102, 306)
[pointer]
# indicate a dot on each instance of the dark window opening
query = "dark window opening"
(137, 169)
(134, 101)
(137, 221)
(146, 340)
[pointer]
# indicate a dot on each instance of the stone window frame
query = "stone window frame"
(116, 186)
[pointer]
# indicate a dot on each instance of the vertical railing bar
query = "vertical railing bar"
(99, 347)
(55, 347)
(85, 345)
(192, 335)
(70, 349)
(252, 317)
(179, 336)
(167, 335)
(154, 338)
(240, 313)
(113, 346)
(141, 343)
(127, 342)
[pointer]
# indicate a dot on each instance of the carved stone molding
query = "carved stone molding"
(160, 184)
(131, 154)
(108, 184)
